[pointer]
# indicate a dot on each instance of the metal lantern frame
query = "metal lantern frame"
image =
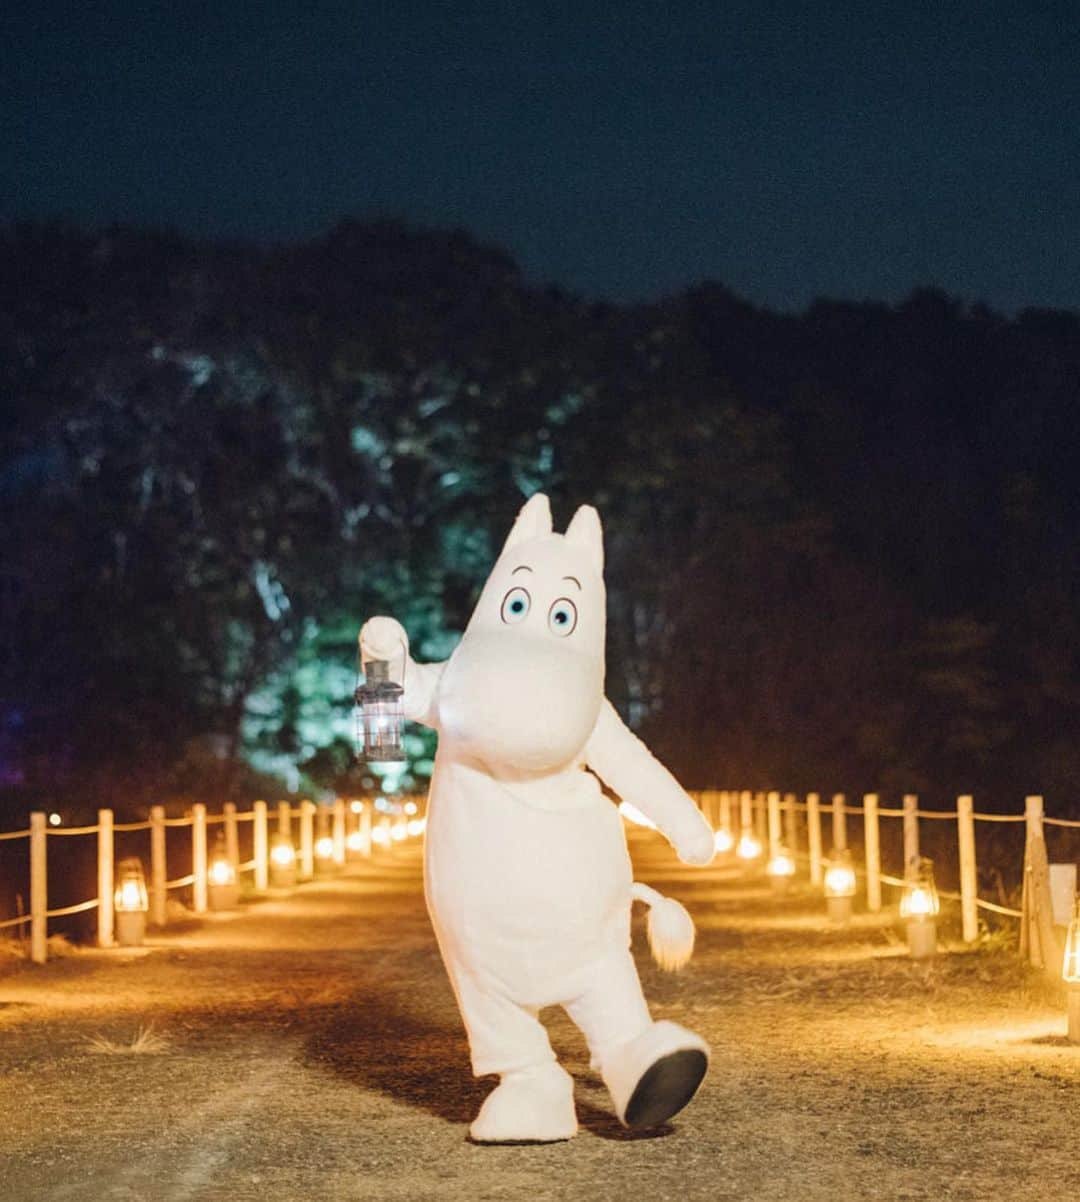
(380, 714)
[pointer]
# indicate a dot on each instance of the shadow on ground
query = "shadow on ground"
(380, 1041)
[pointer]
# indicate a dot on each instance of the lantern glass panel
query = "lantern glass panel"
(840, 875)
(920, 896)
(1071, 968)
(380, 715)
(130, 892)
(782, 864)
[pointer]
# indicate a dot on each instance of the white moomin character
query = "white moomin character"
(527, 876)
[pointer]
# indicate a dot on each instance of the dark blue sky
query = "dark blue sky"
(621, 149)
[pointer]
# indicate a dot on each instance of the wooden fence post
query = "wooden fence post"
(839, 822)
(724, 818)
(813, 837)
(746, 815)
(260, 847)
(39, 888)
(365, 831)
(773, 803)
(911, 830)
(761, 828)
(872, 852)
(791, 824)
(965, 823)
(1038, 941)
(307, 840)
(232, 836)
(284, 819)
(105, 878)
(200, 885)
(158, 872)
(339, 831)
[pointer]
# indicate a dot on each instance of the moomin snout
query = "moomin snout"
(517, 703)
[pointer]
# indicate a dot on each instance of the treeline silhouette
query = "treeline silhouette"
(843, 545)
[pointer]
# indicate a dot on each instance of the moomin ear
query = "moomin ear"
(584, 531)
(533, 521)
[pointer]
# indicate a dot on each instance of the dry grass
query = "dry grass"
(145, 1042)
(19, 949)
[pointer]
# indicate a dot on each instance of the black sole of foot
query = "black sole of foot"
(515, 1143)
(666, 1087)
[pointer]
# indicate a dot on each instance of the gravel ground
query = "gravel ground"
(308, 1047)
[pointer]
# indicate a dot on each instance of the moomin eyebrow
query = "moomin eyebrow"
(574, 579)
(521, 568)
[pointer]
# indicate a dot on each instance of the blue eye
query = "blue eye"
(562, 617)
(515, 605)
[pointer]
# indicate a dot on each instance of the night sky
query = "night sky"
(626, 150)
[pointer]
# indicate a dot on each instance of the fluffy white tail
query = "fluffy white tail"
(670, 927)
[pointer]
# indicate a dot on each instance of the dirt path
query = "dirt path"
(314, 1052)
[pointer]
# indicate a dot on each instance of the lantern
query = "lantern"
(223, 891)
(130, 902)
(379, 715)
(781, 869)
(919, 907)
(356, 807)
(1070, 973)
(416, 826)
(749, 846)
(324, 848)
(839, 885)
(282, 862)
(723, 841)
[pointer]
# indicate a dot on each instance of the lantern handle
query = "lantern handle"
(404, 654)
(403, 640)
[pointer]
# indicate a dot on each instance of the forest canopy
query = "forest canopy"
(842, 544)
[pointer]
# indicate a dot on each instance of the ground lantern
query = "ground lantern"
(1071, 973)
(919, 908)
(840, 885)
(224, 891)
(781, 870)
(282, 862)
(130, 902)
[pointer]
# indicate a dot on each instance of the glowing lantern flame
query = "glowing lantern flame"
(131, 892)
(723, 841)
(283, 854)
(1070, 970)
(410, 808)
(222, 873)
(399, 831)
(749, 847)
(416, 826)
(380, 835)
(920, 896)
(356, 807)
(840, 877)
(355, 841)
(324, 847)
(781, 865)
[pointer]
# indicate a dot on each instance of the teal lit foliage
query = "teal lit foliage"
(842, 546)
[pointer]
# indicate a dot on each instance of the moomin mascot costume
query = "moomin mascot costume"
(527, 876)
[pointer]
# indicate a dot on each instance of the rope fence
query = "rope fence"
(322, 840)
(775, 822)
